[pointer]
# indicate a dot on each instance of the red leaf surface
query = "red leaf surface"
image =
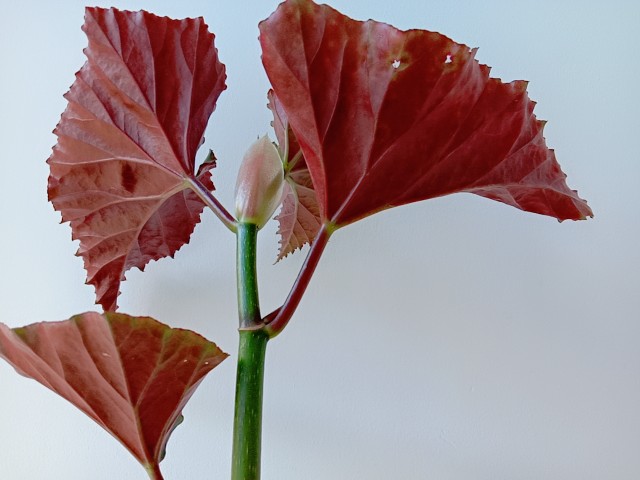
(128, 138)
(387, 117)
(133, 376)
(299, 217)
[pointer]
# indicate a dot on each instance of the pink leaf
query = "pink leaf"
(132, 375)
(128, 138)
(387, 117)
(299, 218)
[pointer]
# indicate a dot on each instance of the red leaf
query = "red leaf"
(131, 375)
(128, 138)
(386, 117)
(299, 217)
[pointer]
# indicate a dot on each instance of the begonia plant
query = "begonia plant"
(366, 117)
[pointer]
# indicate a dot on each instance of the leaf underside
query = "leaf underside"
(128, 138)
(299, 218)
(387, 117)
(132, 375)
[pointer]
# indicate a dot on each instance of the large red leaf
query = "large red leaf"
(299, 219)
(128, 138)
(131, 375)
(387, 117)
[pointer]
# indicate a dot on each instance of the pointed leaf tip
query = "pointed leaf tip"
(131, 375)
(128, 138)
(386, 117)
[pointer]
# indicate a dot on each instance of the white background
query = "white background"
(451, 339)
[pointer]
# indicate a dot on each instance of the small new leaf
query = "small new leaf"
(299, 218)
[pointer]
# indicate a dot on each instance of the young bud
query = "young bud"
(260, 183)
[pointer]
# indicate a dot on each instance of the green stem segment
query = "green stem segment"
(247, 432)
(247, 276)
(247, 429)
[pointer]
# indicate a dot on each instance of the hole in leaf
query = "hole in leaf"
(448, 59)
(396, 64)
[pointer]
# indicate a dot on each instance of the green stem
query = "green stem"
(247, 428)
(247, 276)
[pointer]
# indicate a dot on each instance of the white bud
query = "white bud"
(260, 183)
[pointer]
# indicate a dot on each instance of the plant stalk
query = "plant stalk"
(247, 276)
(247, 428)
(247, 431)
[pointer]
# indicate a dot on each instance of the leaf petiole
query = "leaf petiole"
(212, 202)
(154, 472)
(290, 164)
(278, 319)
